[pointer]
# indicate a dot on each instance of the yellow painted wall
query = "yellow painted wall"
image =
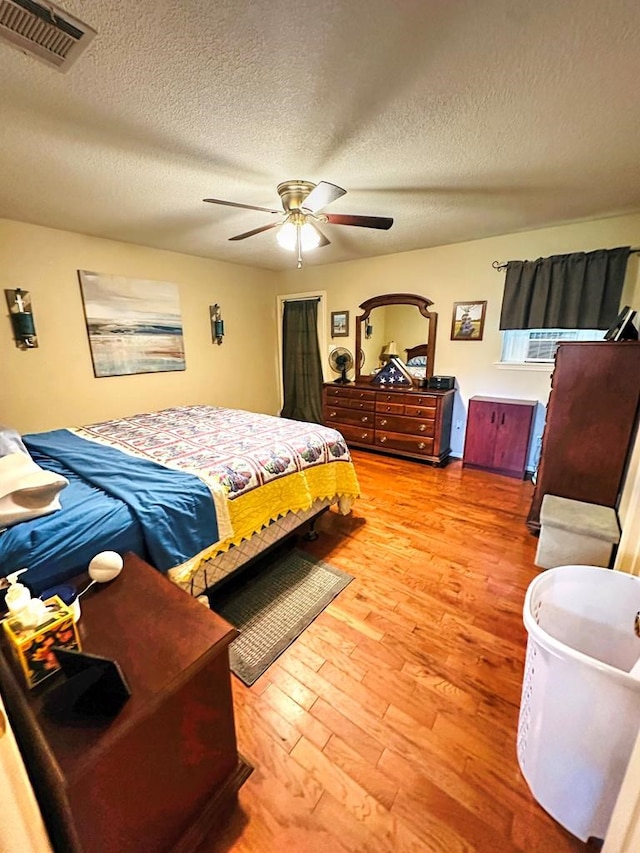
(54, 386)
(463, 272)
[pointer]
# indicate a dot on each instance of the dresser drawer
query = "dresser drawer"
(417, 427)
(363, 405)
(389, 408)
(335, 417)
(354, 434)
(429, 401)
(390, 397)
(347, 392)
(406, 443)
(428, 411)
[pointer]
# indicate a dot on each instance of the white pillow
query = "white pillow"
(11, 442)
(27, 490)
(417, 372)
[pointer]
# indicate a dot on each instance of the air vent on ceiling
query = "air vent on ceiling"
(46, 32)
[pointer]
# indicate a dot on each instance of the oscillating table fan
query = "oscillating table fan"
(341, 360)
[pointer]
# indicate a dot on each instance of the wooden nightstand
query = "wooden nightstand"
(165, 769)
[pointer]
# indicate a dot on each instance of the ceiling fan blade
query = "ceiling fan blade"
(381, 222)
(255, 231)
(245, 206)
(324, 240)
(322, 195)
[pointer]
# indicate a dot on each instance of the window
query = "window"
(538, 346)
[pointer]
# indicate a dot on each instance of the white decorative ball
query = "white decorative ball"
(105, 566)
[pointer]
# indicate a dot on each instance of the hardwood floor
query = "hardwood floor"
(390, 724)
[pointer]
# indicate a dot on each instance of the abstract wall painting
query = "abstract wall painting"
(134, 325)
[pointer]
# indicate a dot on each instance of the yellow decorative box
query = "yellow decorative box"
(31, 647)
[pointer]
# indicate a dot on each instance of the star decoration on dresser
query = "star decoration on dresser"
(393, 373)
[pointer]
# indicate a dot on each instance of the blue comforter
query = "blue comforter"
(114, 502)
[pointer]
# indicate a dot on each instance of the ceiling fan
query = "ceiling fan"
(302, 202)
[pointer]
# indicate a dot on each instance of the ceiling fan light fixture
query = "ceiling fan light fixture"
(309, 236)
(287, 235)
(303, 204)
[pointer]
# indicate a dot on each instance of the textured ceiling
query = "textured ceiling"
(461, 119)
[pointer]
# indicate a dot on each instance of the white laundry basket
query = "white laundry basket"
(580, 708)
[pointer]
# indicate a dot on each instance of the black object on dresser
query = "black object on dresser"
(441, 383)
(591, 422)
(498, 434)
(162, 772)
(407, 422)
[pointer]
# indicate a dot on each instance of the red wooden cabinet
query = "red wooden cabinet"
(498, 434)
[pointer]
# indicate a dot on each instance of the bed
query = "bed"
(197, 491)
(416, 362)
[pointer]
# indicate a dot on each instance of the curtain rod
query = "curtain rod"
(497, 265)
(304, 299)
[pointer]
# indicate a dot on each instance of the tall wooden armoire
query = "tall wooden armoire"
(591, 422)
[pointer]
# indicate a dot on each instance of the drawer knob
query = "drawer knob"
(421, 445)
(332, 414)
(383, 438)
(422, 427)
(419, 413)
(365, 435)
(365, 419)
(383, 422)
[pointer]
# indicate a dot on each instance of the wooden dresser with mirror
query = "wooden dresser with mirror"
(411, 421)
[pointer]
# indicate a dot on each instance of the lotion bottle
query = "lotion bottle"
(31, 611)
(18, 596)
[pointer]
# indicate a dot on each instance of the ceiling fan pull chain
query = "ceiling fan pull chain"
(299, 246)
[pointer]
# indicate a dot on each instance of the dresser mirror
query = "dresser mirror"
(395, 324)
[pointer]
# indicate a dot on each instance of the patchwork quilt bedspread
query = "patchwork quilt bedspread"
(257, 467)
(177, 486)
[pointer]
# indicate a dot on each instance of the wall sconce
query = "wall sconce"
(368, 329)
(24, 330)
(217, 324)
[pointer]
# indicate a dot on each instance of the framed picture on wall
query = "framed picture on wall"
(339, 324)
(134, 325)
(467, 323)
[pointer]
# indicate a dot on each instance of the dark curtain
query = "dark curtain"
(579, 291)
(301, 368)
